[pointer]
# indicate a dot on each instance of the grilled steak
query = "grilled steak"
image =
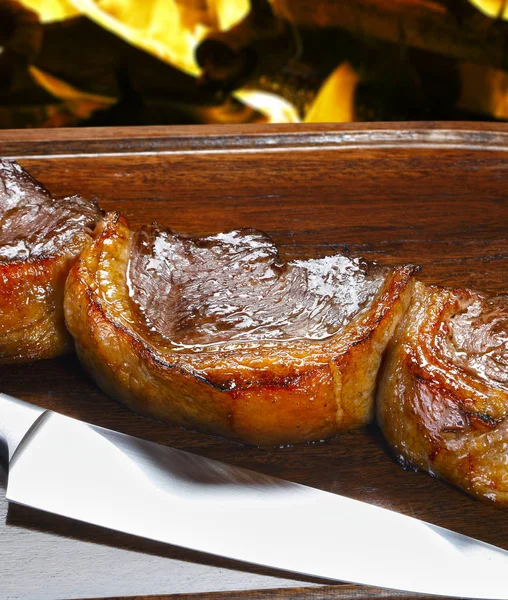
(443, 394)
(219, 335)
(40, 238)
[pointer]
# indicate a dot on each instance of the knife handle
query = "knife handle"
(16, 418)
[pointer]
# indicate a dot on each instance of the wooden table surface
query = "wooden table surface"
(431, 194)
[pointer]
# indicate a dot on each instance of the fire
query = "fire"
(484, 90)
(335, 101)
(495, 9)
(52, 10)
(168, 29)
(172, 30)
(78, 102)
(276, 108)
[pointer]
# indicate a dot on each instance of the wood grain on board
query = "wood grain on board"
(430, 194)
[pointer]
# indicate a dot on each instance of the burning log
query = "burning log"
(56, 83)
(451, 28)
(259, 45)
(112, 67)
(20, 40)
(325, 60)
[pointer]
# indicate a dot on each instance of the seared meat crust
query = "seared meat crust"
(443, 391)
(241, 345)
(40, 239)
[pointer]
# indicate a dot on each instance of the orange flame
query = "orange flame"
(334, 102)
(172, 29)
(168, 29)
(495, 9)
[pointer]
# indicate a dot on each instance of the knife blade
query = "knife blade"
(99, 476)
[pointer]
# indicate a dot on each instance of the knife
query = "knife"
(99, 476)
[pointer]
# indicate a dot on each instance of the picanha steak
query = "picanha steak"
(218, 334)
(443, 391)
(40, 238)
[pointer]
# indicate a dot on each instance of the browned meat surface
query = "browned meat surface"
(219, 335)
(443, 396)
(232, 287)
(40, 239)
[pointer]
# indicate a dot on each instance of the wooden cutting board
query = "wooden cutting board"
(436, 195)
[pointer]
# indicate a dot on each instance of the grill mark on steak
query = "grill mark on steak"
(233, 287)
